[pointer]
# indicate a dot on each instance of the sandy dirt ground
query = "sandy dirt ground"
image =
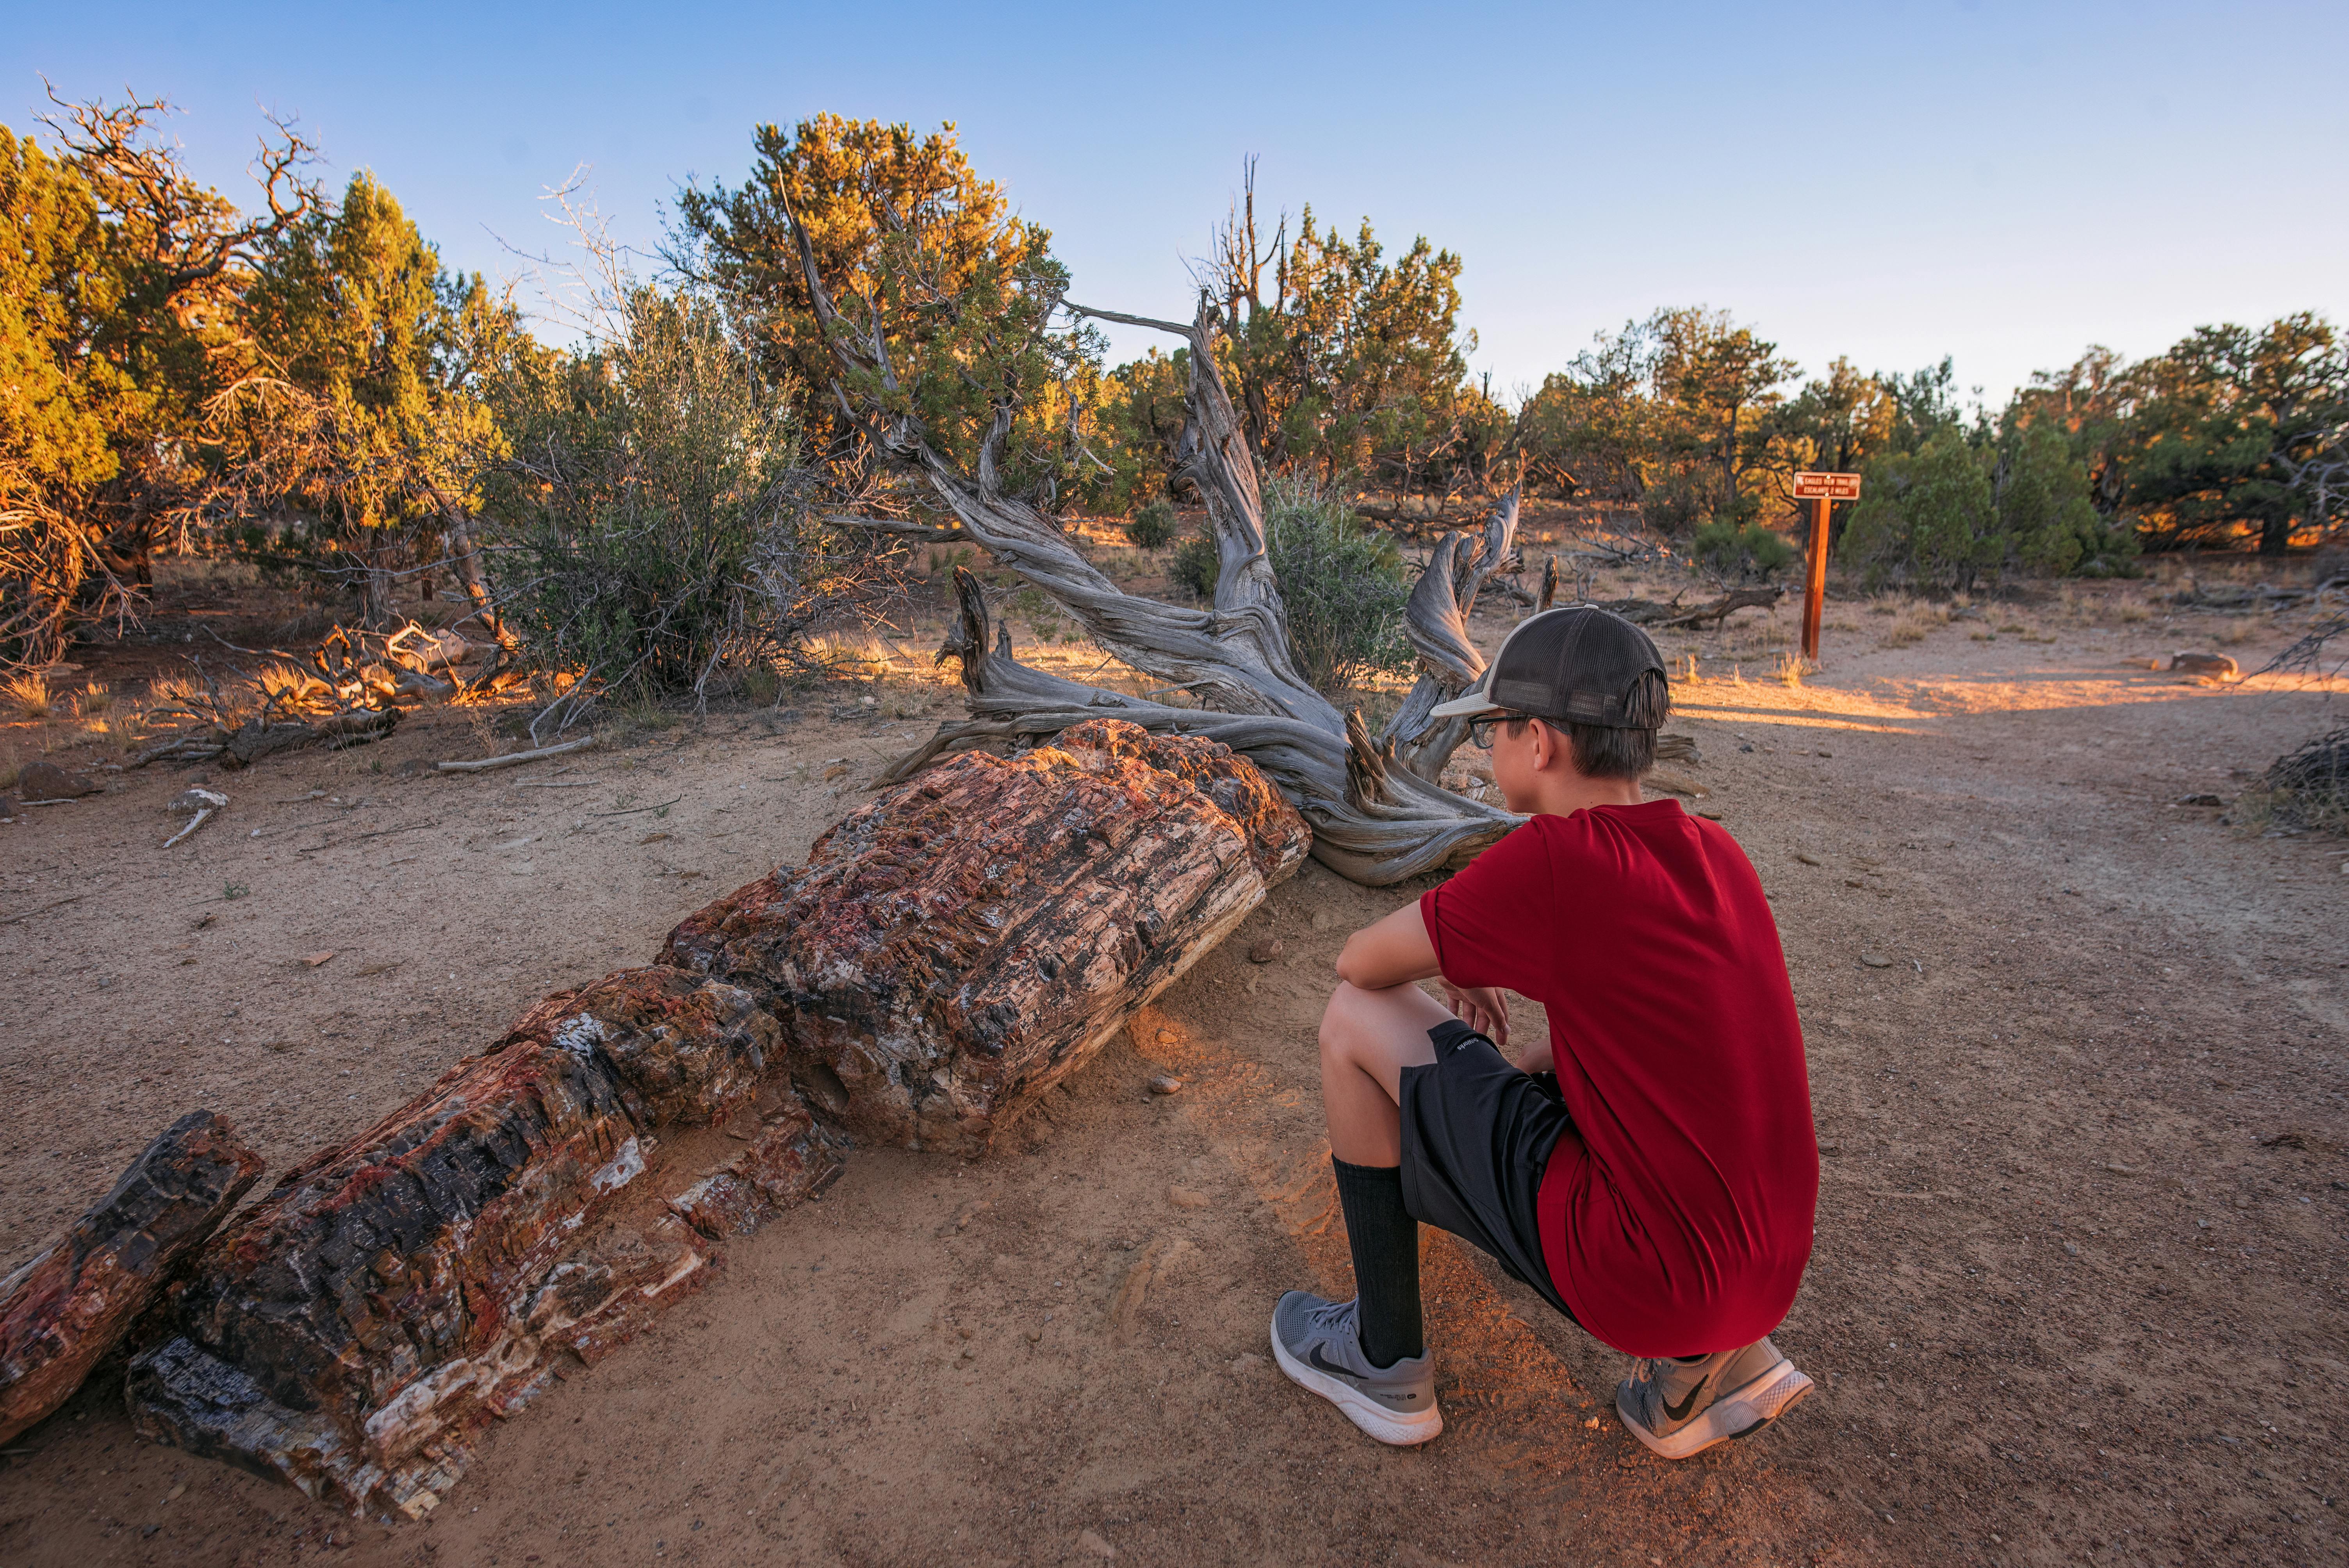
(2076, 1055)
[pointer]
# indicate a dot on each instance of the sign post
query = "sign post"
(1822, 490)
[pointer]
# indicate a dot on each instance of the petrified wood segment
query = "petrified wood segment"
(391, 1293)
(790, 1159)
(66, 1308)
(962, 942)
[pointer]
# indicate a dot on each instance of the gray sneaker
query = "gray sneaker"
(1682, 1407)
(1319, 1344)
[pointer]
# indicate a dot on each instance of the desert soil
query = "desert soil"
(2077, 1055)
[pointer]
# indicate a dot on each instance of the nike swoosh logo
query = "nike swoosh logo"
(1682, 1413)
(1314, 1359)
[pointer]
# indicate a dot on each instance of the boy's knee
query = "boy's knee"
(1340, 1023)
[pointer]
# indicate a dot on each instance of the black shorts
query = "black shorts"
(1476, 1136)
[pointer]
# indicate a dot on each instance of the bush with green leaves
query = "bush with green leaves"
(1743, 550)
(2044, 510)
(1195, 566)
(1152, 527)
(647, 517)
(1925, 518)
(1343, 584)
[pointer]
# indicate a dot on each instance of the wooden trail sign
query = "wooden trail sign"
(1822, 490)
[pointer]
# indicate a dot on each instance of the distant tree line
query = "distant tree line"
(676, 486)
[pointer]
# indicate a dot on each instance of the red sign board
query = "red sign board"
(1826, 487)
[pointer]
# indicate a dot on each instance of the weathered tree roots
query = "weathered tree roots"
(67, 1308)
(947, 954)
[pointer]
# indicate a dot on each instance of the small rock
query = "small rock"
(1708, 814)
(1187, 1198)
(1166, 1083)
(1808, 860)
(313, 960)
(2218, 665)
(2200, 800)
(8, 807)
(1592, 1423)
(1876, 961)
(1245, 1362)
(176, 1494)
(1320, 920)
(48, 781)
(1265, 952)
(1089, 1541)
(837, 770)
(188, 802)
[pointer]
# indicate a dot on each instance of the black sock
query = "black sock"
(1385, 1242)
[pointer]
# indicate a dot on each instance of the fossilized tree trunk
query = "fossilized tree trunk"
(948, 953)
(67, 1308)
(961, 945)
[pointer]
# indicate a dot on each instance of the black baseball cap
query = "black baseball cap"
(1580, 664)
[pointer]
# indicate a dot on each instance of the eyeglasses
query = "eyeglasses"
(1480, 730)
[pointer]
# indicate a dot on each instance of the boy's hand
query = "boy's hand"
(1537, 1058)
(1483, 1010)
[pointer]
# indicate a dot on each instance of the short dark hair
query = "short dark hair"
(1604, 751)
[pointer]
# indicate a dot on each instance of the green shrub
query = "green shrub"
(2044, 506)
(1745, 550)
(1343, 584)
(1925, 518)
(1195, 566)
(1152, 528)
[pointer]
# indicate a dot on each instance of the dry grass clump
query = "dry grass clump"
(1911, 621)
(1790, 668)
(28, 695)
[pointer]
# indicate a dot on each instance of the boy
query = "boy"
(1651, 1169)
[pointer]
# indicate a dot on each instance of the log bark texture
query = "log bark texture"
(66, 1308)
(965, 942)
(432, 1273)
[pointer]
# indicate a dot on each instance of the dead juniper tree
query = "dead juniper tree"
(1378, 814)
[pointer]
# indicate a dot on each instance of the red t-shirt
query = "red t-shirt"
(1676, 1215)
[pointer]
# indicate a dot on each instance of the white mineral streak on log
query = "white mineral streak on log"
(956, 948)
(66, 1308)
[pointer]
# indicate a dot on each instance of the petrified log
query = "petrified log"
(962, 943)
(391, 1293)
(66, 1308)
(949, 953)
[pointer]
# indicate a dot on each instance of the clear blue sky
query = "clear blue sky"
(2004, 181)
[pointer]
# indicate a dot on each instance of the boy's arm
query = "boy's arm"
(1396, 950)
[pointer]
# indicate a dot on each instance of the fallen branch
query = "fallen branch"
(514, 758)
(45, 909)
(634, 809)
(205, 804)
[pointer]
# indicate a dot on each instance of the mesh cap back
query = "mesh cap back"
(1576, 665)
